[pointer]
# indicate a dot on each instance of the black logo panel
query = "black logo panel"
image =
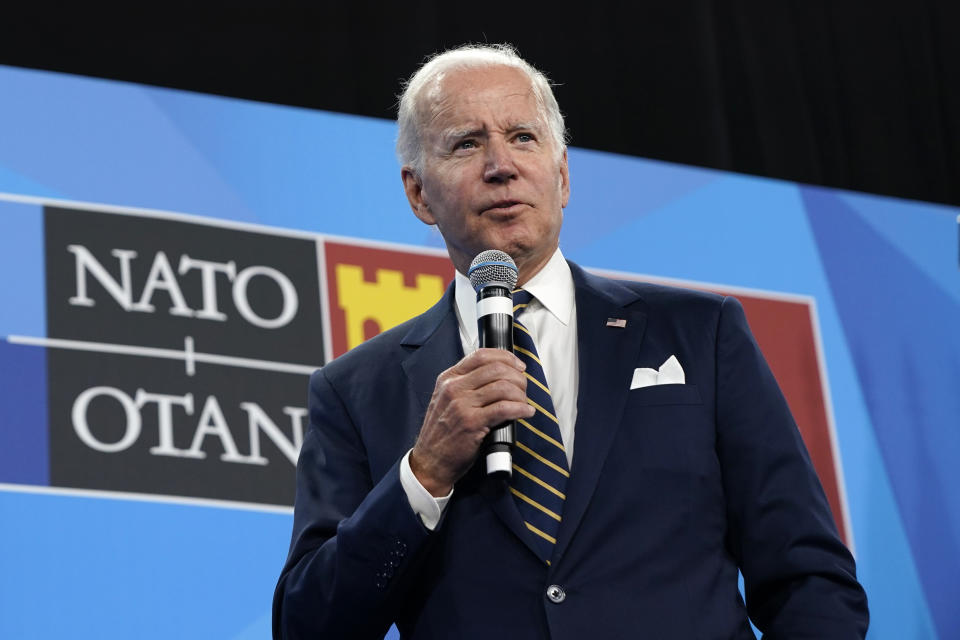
(179, 355)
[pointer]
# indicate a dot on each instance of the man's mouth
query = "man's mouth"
(503, 206)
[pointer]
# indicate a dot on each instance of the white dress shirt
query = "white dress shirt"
(551, 318)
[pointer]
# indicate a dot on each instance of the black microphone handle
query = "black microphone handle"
(495, 330)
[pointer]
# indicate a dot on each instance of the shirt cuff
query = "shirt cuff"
(423, 504)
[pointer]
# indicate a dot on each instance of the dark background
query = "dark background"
(858, 94)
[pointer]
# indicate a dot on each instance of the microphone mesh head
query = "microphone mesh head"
(492, 267)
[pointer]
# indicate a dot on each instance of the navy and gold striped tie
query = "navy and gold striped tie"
(540, 468)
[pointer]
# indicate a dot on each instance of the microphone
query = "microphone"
(493, 275)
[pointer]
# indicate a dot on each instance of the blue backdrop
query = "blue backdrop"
(884, 274)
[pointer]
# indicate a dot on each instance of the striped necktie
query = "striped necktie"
(539, 460)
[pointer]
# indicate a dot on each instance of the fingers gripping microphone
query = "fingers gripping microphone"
(493, 275)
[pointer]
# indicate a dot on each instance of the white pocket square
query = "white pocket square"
(670, 372)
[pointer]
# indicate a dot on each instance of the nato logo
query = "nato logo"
(178, 355)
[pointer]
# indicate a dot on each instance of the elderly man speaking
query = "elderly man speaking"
(655, 456)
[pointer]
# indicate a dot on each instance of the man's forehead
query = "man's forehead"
(463, 99)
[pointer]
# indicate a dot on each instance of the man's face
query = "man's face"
(492, 175)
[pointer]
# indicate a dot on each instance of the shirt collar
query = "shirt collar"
(552, 287)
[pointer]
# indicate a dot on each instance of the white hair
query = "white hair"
(410, 114)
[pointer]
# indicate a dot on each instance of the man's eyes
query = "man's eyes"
(472, 143)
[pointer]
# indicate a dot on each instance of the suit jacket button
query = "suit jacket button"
(556, 594)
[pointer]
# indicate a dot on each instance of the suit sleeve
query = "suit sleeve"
(354, 540)
(800, 580)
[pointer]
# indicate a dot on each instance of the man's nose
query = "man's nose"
(499, 166)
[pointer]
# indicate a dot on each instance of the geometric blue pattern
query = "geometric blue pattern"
(74, 552)
(24, 440)
(903, 332)
(23, 305)
(923, 232)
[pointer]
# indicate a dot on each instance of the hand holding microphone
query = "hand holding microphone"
(479, 396)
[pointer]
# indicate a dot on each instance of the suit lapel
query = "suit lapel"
(434, 344)
(608, 356)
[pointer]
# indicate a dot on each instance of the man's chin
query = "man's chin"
(521, 248)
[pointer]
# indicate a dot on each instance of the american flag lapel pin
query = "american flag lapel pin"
(619, 323)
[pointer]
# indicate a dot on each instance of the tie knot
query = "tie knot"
(521, 298)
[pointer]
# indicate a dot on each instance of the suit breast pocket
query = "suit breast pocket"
(665, 394)
(669, 427)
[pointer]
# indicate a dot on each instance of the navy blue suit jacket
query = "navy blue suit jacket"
(672, 488)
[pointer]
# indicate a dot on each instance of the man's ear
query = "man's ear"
(413, 187)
